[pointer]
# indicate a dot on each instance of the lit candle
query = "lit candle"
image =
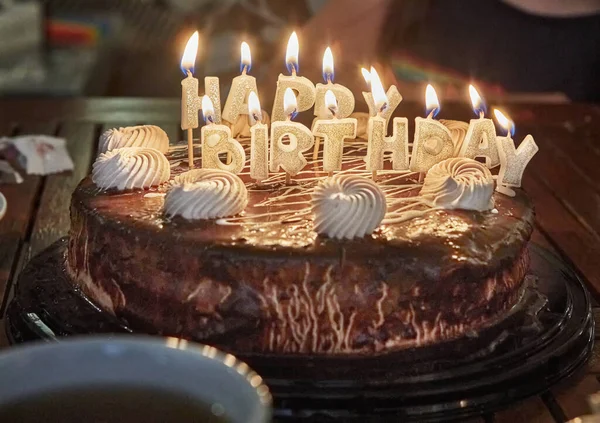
(217, 140)
(433, 140)
(241, 87)
(480, 140)
(303, 86)
(513, 161)
(334, 131)
(289, 156)
(259, 140)
(345, 98)
(393, 99)
(378, 142)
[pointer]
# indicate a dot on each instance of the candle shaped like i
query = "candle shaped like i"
(241, 87)
(393, 99)
(334, 131)
(259, 140)
(378, 142)
(217, 141)
(513, 161)
(480, 140)
(304, 88)
(433, 141)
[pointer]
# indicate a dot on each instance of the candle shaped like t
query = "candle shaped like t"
(513, 161)
(304, 88)
(241, 87)
(259, 141)
(393, 99)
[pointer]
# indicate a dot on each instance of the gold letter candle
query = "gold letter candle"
(216, 140)
(393, 99)
(259, 140)
(241, 87)
(303, 86)
(433, 140)
(344, 97)
(513, 161)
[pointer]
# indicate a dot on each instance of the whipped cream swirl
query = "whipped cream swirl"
(130, 168)
(459, 183)
(347, 206)
(206, 194)
(134, 136)
(458, 130)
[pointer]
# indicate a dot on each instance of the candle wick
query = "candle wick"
(333, 111)
(383, 108)
(430, 115)
(189, 73)
(293, 69)
(210, 119)
(481, 114)
(329, 79)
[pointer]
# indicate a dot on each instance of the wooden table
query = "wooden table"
(562, 179)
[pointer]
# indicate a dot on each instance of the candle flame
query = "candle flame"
(254, 110)
(245, 57)
(479, 106)
(328, 65)
(379, 97)
(290, 105)
(432, 104)
(208, 110)
(331, 102)
(188, 60)
(367, 76)
(291, 54)
(503, 120)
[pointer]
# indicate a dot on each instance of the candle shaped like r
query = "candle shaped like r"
(241, 87)
(304, 88)
(259, 141)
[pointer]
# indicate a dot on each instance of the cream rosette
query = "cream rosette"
(130, 168)
(206, 194)
(347, 207)
(134, 136)
(459, 183)
(458, 130)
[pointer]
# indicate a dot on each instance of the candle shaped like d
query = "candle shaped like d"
(334, 131)
(433, 140)
(513, 161)
(289, 156)
(241, 87)
(304, 88)
(259, 141)
(393, 99)
(217, 141)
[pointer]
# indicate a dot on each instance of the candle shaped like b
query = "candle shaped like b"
(393, 99)
(301, 85)
(241, 87)
(259, 141)
(513, 161)
(217, 141)
(480, 140)
(334, 131)
(289, 156)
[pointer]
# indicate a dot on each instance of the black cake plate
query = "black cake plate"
(545, 338)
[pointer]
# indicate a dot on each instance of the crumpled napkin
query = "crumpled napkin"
(41, 154)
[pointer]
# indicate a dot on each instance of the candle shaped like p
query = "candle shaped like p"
(378, 142)
(289, 156)
(217, 141)
(433, 140)
(480, 140)
(259, 141)
(513, 161)
(241, 87)
(393, 99)
(344, 97)
(301, 85)
(334, 131)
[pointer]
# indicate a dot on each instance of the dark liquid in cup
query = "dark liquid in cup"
(112, 405)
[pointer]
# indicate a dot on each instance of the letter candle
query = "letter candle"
(393, 99)
(241, 87)
(303, 86)
(259, 141)
(512, 161)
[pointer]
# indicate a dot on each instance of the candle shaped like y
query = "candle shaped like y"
(378, 142)
(217, 141)
(334, 131)
(259, 141)
(513, 161)
(433, 140)
(241, 87)
(289, 156)
(393, 99)
(480, 140)
(301, 85)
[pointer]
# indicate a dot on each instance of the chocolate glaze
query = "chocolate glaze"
(267, 285)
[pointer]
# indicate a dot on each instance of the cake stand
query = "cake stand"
(545, 338)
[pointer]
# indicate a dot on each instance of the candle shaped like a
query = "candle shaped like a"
(480, 140)
(304, 88)
(334, 131)
(217, 141)
(241, 87)
(433, 141)
(393, 99)
(344, 97)
(378, 142)
(289, 156)
(259, 140)
(513, 161)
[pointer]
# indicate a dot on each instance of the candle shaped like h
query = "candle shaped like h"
(513, 161)
(259, 141)
(393, 99)
(301, 85)
(241, 87)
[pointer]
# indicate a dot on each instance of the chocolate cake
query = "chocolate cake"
(265, 281)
